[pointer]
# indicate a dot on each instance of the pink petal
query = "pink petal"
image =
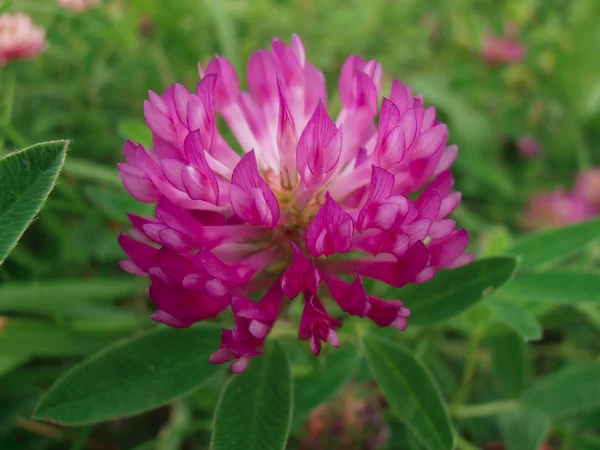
(251, 198)
(262, 78)
(330, 231)
(301, 276)
(286, 139)
(401, 95)
(346, 81)
(200, 172)
(137, 184)
(397, 273)
(168, 319)
(159, 123)
(352, 298)
(319, 147)
(142, 255)
(172, 170)
(200, 113)
(388, 313)
(289, 67)
(298, 49)
(228, 85)
(445, 251)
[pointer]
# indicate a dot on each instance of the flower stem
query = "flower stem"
(484, 409)
(10, 86)
(463, 444)
(470, 367)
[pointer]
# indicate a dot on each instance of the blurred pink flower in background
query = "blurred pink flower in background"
(561, 207)
(588, 187)
(78, 5)
(354, 419)
(556, 208)
(502, 50)
(19, 38)
(529, 147)
(309, 200)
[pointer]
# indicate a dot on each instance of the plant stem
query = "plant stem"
(470, 367)
(89, 170)
(463, 444)
(483, 409)
(9, 99)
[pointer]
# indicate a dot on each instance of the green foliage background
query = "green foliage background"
(63, 297)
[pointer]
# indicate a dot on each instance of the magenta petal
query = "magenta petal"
(301, 276)
(168, 319)
(448, 157)
(388, 313)
(445, 251)
(442, 228)
(249, 309)
(298, 49)
(138, 185)
(366, 94)
(159, 123)
(382, 183)
(319, 147)
(200, 113)
(261, 74)
(221, 356)
(290, 69)
(228, 85)
(200, 171)
(428, 142)
(206, 260)
(251, 198)
(330, 231)
(315, 324)
(181, 97)
(397, 273)
(172, 170)
(401, 95)
(186, 305)
(129, 149)
(346, 81)
(286, 139)
(352, 297)
(429, 204)
(142, 255)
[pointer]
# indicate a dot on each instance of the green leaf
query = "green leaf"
(9, 362)
(453, 291)
(65, 297)
(516, 317)
(555, 286)
(564, 393)
(255, 408)
(411, 393)
(38, 338)
(133, 375)
(523, 429)
(311, 391)
(510, 363)
(554, 245)
(26, 179)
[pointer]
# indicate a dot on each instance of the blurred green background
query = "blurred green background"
(90, 84)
